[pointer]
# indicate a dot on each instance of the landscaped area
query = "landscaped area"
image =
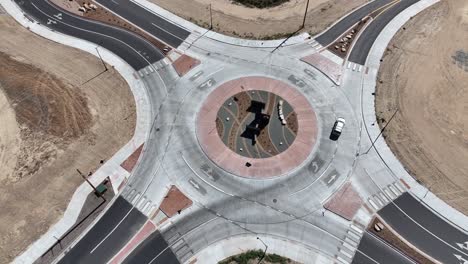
(254, 256)
(261, 3)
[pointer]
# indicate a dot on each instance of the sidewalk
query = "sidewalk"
(369, 82)
(239, 244)
(111, 168)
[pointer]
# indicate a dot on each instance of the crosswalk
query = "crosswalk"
(178, 244)
(350, 243)
(188, 41)
(153, 67)
(315, 45)
(384, 197)
(141, 202)
(354, 66)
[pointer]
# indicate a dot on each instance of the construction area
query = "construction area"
(234, 19)
(57, 117)
(423, 79)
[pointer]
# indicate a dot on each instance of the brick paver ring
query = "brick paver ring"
(243, 165)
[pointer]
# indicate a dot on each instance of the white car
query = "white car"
(337, 128)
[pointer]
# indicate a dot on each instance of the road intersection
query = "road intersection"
(225, 205)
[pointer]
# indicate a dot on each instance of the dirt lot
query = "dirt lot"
(425, 75)
(52, 122)
(237, 20)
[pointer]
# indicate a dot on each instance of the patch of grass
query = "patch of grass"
(253, 255)
(261, 3)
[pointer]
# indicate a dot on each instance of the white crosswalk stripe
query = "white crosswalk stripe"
(384, 197)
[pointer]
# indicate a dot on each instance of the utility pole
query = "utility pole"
(211, 19)
(86, 179)
(103, 63)
(305, 14)
(381, 131)
(264, 252)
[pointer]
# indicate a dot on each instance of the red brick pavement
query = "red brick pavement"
(345, 203)
(325, 65)
(184, 64)
(131, 161)
(174, 202)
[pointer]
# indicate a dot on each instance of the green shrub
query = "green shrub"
(261, 3)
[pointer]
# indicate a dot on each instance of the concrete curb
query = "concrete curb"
(431, 201)
(110, 168)
(277, 245)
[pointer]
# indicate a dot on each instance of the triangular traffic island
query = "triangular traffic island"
(174, 202)
(131, 161)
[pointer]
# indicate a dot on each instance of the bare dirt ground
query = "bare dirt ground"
(52, 122)
(237, 20)
(425, 75)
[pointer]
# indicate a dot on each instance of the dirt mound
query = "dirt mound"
(59, 111)
(423, 74)
(50, 113)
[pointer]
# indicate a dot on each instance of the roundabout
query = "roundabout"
(256, 127)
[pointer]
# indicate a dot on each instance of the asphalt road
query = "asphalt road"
(371, 32)
(153, 250)
(347, 22)
(136, 51)
(157, 26)
(440, 243)
(108, 235)
(376, 250)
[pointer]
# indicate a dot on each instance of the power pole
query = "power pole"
(211, 19)
(103, 63)
(381, 131)
(305, 14)
(264, 252)
(90, 184)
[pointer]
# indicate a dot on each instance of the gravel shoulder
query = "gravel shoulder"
(60, 112)
(237, 20)
(424, 74)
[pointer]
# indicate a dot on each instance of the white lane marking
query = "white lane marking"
(357, 229)
(394, 190)
(373, 204)
(347, 254)
(399, 187)
(101, 34)
(384, 198)
(390, 194)
(113, 1)
(342, 260)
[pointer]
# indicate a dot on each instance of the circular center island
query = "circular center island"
(256, 127)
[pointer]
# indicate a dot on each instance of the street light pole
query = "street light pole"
(264, 252)
(86, 179)
(211, 19)
(381, 131)
(305, 14)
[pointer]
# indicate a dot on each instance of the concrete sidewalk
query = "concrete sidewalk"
(239, 244)
(368, 83)
(111, 168)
